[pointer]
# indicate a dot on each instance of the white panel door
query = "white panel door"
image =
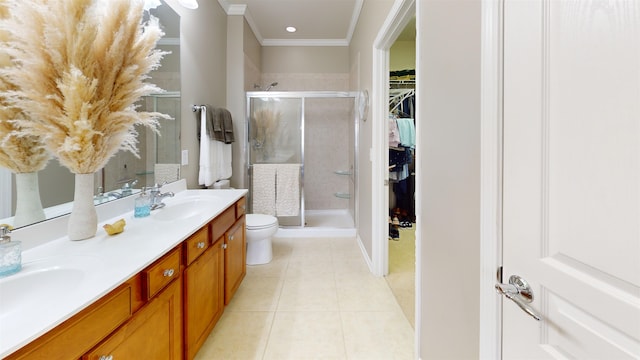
(571, 196)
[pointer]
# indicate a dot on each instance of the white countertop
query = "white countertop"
(94, 266)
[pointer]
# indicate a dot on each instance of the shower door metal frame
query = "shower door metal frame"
(303, 95)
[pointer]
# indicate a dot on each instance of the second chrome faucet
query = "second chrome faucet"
(157, 196)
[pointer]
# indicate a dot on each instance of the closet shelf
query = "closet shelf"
(342, 195)
(343, 172)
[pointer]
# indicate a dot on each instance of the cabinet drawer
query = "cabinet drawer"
(78, 334)
(154, 332)
(223, 222)
(196, 244)
(241, 207)
(161, 273)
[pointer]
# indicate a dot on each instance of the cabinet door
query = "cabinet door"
(154, 332)
(203, 297)
(234, 259)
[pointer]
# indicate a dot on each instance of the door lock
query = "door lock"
(520, 292)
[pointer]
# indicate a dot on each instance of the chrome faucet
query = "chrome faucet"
(157, 196)
(127, 187)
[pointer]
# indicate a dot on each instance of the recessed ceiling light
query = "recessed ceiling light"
(189, 4)
(291, 29)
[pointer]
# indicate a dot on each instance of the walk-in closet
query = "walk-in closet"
(402, 179)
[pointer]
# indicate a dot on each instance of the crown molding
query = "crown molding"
(305, 42)
(243, 10)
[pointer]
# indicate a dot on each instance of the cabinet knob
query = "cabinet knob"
(230, 237)
(167, 273)
(200, 245)
(106, 357)
(224, 246)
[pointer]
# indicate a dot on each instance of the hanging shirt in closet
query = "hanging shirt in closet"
(407, 132)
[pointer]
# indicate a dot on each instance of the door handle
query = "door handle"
(520, 292)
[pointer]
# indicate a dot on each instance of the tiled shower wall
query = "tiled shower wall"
(329, 140)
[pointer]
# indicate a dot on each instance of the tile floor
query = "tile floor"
(315, 300)
(402, 271)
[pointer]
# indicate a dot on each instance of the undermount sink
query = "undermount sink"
(185, 208)
(40, 278)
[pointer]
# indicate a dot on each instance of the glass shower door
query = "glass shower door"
(276, 128)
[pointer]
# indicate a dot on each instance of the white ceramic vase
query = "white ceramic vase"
(28, 204)
(83, 221)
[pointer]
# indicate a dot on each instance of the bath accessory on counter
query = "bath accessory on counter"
(10, 253)
(142, 204)
(115, 228)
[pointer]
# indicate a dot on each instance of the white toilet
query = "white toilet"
(260, 229)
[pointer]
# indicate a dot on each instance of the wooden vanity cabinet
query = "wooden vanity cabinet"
(155, 331)
(235, 263)
(74, 337)
(203, 297)
(164, 312)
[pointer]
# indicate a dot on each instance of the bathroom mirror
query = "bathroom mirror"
(56, 183)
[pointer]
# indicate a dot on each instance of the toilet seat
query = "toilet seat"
(260, 221)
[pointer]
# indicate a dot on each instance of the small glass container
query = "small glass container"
(142, 204)
(10, 253)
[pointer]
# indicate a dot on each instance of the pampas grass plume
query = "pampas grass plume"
(81, 66)
(20, 154)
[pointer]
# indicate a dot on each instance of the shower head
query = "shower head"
(271, 85)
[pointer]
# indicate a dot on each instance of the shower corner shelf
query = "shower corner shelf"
(342, 195)
(343, 172)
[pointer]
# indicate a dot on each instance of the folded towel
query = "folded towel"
(166, 173)
(221, 125)
(227, 125)
(263, 187)
(288, 189)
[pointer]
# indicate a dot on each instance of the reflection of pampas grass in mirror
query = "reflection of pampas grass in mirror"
(20, 154)
(81, 66)
(266, 125)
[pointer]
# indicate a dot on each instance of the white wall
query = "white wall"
(448, 198)
(203, 68)
(236, 94)
(372, 17)
(402, 55)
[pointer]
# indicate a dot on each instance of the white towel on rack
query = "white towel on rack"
(206, 175)
(288, 189)
(215, 156)
(223, 160)
(264, 189)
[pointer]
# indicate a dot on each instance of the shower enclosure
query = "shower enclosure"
(316, 130)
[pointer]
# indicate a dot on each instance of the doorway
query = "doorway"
(401, 14)
(402, 180)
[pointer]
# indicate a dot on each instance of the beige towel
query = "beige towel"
(166, 173)
(264, 189)
(288, 189)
